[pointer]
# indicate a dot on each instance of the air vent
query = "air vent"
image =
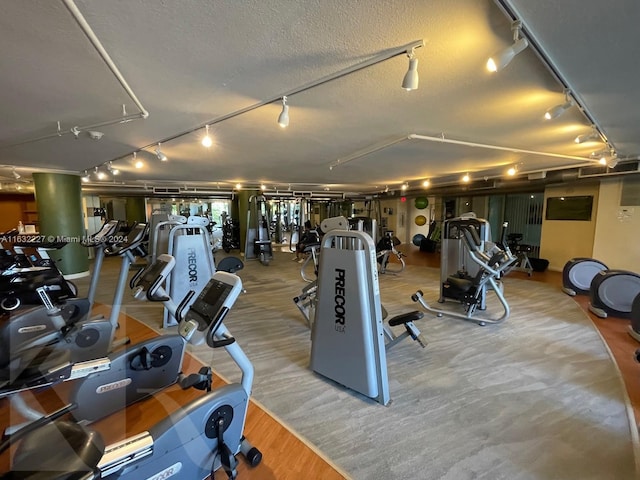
(482, 185)
(602, 171)
(166, 190)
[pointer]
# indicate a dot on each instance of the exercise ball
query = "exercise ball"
(420, 220)
(421, 203)
(417, 239)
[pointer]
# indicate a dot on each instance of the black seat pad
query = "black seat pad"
(461, 284)
(406, 318)
(308, 246)
(58, 450)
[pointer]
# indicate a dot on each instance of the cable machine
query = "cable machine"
(258, 242)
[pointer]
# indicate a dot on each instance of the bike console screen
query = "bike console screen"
(209, 304)
(155, 271)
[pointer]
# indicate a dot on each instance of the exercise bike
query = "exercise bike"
(193, 442)
(106, 385)
(69, 326)
(28, 266)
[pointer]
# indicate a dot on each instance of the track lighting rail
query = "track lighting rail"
(506, 8)
(374, 60)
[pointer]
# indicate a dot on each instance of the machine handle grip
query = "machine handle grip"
(227, 340)
(134, 280)
(157, 298)
(183, 304)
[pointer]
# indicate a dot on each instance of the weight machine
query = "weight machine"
(348, 333)
(470, 266)
(258, 241)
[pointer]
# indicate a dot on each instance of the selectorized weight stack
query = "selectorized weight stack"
(190, 245)
(258, 240)
(348, 335)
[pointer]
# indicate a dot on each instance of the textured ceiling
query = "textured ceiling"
(227, 64)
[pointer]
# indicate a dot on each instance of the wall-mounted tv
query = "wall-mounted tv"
(569, 208)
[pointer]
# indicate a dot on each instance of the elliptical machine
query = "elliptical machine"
(577, 274)
(634, 328)
(612, 292)
(193, 442)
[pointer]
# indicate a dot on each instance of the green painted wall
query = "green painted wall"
(135, 210)
(59, 201)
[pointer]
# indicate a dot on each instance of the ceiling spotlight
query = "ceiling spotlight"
(512, 171)
(503, 58)
(601, 156)
(111, 170)
(555, 112)
(426, 183)
(161, 156)
(466, 178)
(411, 79)
(137, 163)
(238, 186)
(124, 115)
(85, 177)
(206, 140)
(612, 161)
(263, 187)
(99, 174)
(15, 174)
(283, 118)
(593, 135)
(404, 186)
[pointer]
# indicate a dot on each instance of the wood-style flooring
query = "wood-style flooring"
(613, 330)
(285, 455)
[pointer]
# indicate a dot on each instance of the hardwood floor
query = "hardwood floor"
(285, 456)
(613, 330)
